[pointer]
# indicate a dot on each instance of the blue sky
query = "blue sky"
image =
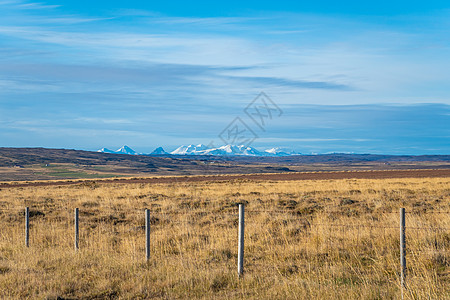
(349, 76)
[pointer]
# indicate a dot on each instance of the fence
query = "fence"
(262, 233)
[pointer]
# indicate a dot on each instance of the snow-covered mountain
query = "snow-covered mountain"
(105, 150)
(123, 150)
(277, 151)
(233, 150)
(190, 150)
(229, 150)
(200, 149)
(126, 150)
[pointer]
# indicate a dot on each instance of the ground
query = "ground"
(335, 238)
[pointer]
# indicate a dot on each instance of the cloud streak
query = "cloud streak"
(301, 84)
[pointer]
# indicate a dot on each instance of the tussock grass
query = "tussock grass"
(330, 239)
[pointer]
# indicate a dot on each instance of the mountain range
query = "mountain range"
(200, 149)
(123, 150)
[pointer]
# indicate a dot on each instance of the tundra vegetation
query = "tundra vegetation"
(323, 239)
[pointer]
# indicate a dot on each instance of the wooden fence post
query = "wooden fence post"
(402, 250)
(147, 234)
(77, 232)
(27, 226)
(241, 240)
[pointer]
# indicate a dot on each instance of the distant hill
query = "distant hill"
(159, 151)
(123, 150)
(26, 156)
(42, 163)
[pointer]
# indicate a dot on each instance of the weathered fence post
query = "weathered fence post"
(77, 232)
(147, 234)
(402, 250)
(241, 240)
(27, 226)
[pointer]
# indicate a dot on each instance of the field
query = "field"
(304, 239)
(372, 174)
(22, 164)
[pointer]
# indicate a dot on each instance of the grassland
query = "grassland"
(323, 239)
(25, 164)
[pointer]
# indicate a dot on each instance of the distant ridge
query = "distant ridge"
(122, 150)
(201, 149)
(126, 150)
(65, 163)
(159, 151)
(106, 150)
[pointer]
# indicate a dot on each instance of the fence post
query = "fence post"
(402, 250)
(77, 233)
(241, 240)
(147, 234)
(27, 226)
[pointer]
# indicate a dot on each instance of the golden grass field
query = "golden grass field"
(324, 239)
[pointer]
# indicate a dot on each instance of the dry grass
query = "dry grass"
(330, 239)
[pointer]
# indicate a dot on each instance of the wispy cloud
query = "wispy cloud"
(36, 5)
(301, 84)
(104, 120)
(18, 4)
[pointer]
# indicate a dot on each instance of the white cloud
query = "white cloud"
(104, 120)
(379, 63)
(36, 5)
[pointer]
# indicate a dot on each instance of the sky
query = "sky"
(345, 76)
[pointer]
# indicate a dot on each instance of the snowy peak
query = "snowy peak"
(233, 150)
(126, 150)
(123, 150)
(277, 151)
(181, 150)
(189, 150)
(105, 150)
(201, 147)
(228, 150)
(251, 151)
